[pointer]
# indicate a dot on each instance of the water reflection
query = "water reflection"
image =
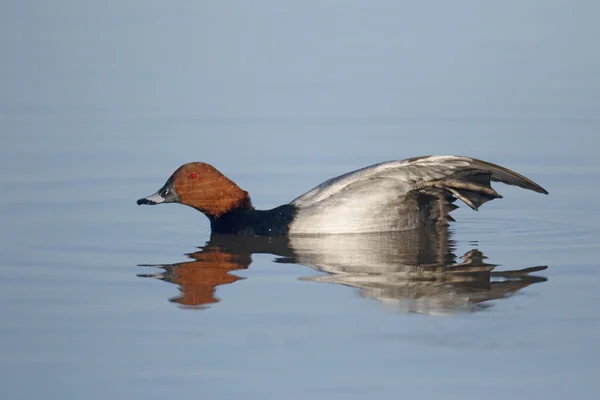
(415, 271)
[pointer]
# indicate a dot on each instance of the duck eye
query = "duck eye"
(166, 191)
(193, 175)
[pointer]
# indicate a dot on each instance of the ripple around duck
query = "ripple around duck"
(570, 230)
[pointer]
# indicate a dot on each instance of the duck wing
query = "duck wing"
(465, 178)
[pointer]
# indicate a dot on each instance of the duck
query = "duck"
(389, 196)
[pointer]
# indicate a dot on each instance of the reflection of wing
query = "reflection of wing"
(441, 289)
(410, 271)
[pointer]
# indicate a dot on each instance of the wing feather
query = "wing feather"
(414, 171)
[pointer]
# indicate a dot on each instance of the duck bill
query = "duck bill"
(151, 200)
(164, 195)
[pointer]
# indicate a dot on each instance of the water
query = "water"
(99, 103)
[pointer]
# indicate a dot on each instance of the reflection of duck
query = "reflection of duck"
(386, 197)
(411, 271)
(211, 266)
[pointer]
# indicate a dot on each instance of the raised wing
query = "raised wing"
(400, 195)
(417, 172)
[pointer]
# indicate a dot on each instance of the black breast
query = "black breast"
(273, 222)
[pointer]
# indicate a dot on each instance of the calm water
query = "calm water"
(100, 298)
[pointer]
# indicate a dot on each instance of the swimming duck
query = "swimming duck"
(385, 197)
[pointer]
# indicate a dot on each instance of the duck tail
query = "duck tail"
(434, 205)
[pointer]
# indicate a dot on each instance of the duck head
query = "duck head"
(203, 187)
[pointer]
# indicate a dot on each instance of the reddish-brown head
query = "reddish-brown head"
(203, 187)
